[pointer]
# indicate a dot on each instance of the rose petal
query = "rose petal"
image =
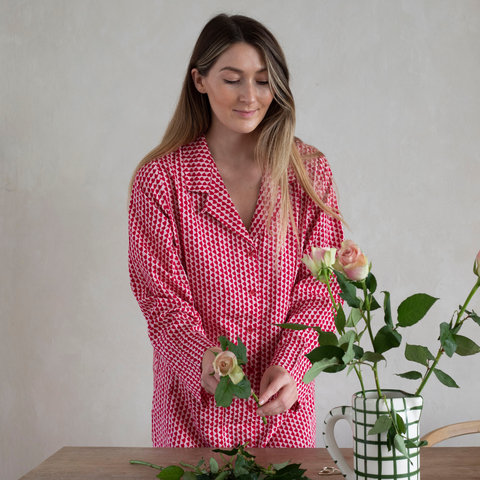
(236, 375)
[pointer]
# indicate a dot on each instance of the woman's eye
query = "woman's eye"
(262, 82)
(231, 82)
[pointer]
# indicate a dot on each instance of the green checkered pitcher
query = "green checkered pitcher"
(371, 458)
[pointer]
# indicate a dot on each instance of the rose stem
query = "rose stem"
(256, 400)
(138, 462)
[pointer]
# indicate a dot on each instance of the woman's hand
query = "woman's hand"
(276, 379)
(209, 382)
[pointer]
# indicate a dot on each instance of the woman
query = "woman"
(220, 215)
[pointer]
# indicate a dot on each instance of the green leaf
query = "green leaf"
(240, 466)
(325, 351)
(354, 317)
(419, 354)
(465, 346)
(189, 476)
(200, 462)
(358, 352)
(374, 305)
(382, 424)
(447, 339)
(222, 475)
(474, 317)
(279, 466)
(372, 357)
(171, 473)
(371, 282)
(327, 338)
(223, 392)
(348, 338)
(412, 375)
(340, 320)
(401, 424)
(348, 290)
(386, 339)
(213, 465)
(414, 308)
(387, 309)
(239, 350)
(292, 326)
(399, 443)
(445, 379)
(223, 342)
(327, 364)
(242, 389)
(350, 353)
(229, 453)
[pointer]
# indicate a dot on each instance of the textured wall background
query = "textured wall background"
(389, 91)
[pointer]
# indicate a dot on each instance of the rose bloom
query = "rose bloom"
(320, 259)
(225, 363)
(476, 266)
(352, 261)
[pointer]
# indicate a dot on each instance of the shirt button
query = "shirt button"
(250, 329)
(251, 254)
(252, 292)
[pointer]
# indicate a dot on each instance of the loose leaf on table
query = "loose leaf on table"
(354, 317)
(223, 392)
(348, 290)
(171, 473)
(387, 309)
(445, 379)
(213, 465)
(382, 424)
(322, 366)
(465, 346)
(418, 354)
(229, 453)
(279, 466)
(414, 308)
(290, 472)
(386, 339)
(447, 339)
(412, 375)
(241, 466)
(189, 476)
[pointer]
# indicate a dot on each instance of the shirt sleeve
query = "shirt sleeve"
(159, 282)
(310, 300)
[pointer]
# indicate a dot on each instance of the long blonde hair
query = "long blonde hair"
(276, 149)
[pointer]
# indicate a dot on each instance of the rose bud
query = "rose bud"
(225, 363)
(352, 262)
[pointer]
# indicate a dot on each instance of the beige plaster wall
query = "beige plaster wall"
(388, 90)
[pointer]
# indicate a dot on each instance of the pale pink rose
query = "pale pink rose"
(320, 259)
(225, 363)
(476, 266)
(352, 261)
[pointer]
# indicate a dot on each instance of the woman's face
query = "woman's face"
(237, 88)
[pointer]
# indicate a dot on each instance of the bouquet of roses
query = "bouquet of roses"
(345, 351)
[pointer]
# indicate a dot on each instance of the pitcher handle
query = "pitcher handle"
(336, 414)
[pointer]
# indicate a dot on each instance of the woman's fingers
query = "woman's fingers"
(276, 380)
(208, 381)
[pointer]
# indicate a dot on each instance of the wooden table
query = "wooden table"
(108, 463)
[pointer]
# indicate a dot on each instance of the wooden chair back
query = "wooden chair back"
(450, 431)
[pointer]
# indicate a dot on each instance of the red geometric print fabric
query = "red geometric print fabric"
(197, 273)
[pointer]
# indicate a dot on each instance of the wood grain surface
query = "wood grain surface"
(108, 463)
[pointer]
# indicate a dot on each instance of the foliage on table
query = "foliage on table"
(241, 466)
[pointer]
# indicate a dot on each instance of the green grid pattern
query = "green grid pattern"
(371, 457)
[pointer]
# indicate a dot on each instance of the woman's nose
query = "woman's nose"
(247, 94)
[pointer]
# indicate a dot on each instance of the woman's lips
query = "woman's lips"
(245, 113)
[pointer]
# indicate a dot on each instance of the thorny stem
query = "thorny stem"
(430, 371)
(138, 462)
(467, 301)
(370, 334)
